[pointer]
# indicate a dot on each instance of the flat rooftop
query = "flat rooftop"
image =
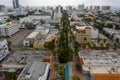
(33, 34)
(107, 76)
(99, 61)
(53, 31)
(23, 57)
(83, 27)
(34, 70)
(8, 25)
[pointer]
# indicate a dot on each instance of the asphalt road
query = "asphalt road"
(17, 38)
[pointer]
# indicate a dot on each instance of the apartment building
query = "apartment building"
(83, 34)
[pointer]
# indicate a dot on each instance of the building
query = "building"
(3, 49)
(32, 24)
(35, 36)
(69, 8)
(100, 65)
(40, 43)
(105, 8)
(115, 18)
(8, 29)
(2, 7)
(81, 6)
(91, 8)
(31, 38)
(24, 57)
(35, 71)
(83, 34)
(97, 8)
(59, 9)
(15, 4)
(58, 12)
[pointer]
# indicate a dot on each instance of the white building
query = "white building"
(35, 71)
(35, 35)
(94, 33)
(58, 12)
(59, 9)
(31, 38)
(3, 49)
(8, 29)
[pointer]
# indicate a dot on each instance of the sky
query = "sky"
(114, 3)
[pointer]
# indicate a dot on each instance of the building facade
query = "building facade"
(83, 34)
(2, 7)
(59, 9)
(3, 49)
(105, 8)
(8, 29)
(81, 7)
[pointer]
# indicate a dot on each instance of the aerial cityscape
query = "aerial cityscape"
(59, 40)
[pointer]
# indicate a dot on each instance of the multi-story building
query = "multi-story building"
(40, 44)
(15, 3)
(83, 34)
(8, 29)
(81, 7)
(69, 8)
(91, 8)
(97, 8)
(3, 49)
(35, 71)
(35, 36)
(2, 7)
(105, 8)
(94, 33)
(59, 9)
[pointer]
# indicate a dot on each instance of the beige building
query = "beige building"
(83, 34)
(39, 44)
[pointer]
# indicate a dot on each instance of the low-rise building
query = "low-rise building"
(3, 49)
(8, 29)
(21, 58)
(35, 36)
(98, 63)
(35, 71)
(115, 18)
(77, 23)
(31, 38)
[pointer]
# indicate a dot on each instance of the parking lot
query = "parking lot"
(18, 37)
